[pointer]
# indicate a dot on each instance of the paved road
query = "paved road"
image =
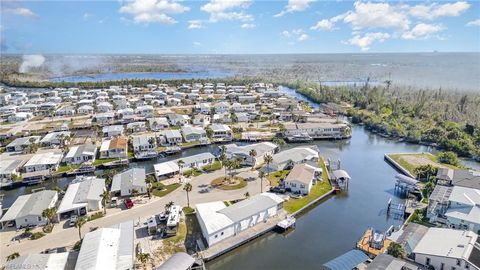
(66, 237)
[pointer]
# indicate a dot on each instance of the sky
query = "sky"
(238, 26)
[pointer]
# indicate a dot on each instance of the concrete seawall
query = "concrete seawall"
(397, 166)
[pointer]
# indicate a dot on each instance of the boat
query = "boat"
(84, 169)
(173, 150)
(146, 155)
(288, 222)
(303, 137)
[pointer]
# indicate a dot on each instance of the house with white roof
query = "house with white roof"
(219, 222)
(194, 134)
(464, 209)
(47, 161)
(221, 132)
(20, 117)
(222, 107)
(172, 137)
(158, 123)
(55, 138)
(178, 119)
(58, 261)
(79, 154)
(9, 169)
(105, 118)
(146, 111)
(242, 153)
(27, 209)
(65, 111)
(288, 158)
(85, 110)
(108, 248)
(166, 169)
(442, 248)
(83, 195)
(203, 108)
(129, 181)
(104, 107)
(22, 143)
(112, 131)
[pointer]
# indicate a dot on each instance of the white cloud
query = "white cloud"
(21, 11)
(196, 43)
(153, 11)
(435, 10)
(474, 23)
(248, 26)
(298, 34)
(227, 10)
(294, 6)
(367, 40)
(195, 24)
(87, 16)
(303, 37)
(422, 31)
(323, 25)
(377, 15)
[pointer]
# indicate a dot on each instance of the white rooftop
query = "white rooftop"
(446, 243)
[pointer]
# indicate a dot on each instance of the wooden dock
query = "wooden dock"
(243, 237)
(364, 244)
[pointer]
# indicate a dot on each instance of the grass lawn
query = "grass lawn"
(274, 177)
(188, 210)
(130, 154)
(399, 158)
(190, 144)
(238, 184)
(217, 165)
(161, 190)
(318, 190)
(66, 168)
(103, 161)
(192, 172)
(237, 135)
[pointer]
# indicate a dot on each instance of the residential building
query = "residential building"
(195, 161)
(221, 132)
(108, 248)
(178, 119)
(58, 261)
(55, 138)
(27, 209)
(146, 111)
(19, 117)
(464, 209)
(114, 148)
(172, 137)
(158, 123)
(9, 169)
(301, 178)
(219, 222)
(112, 131)
(65, 111)
(448, 249)
(135, 127)
(104, 119)
(288, 158)
(85, 110)
(47, 161)
(194, 134)
(318, 130)
(83, 195)
(222, 107)
(21, 144)
(129, 182)
(462, 178)
(242, 153)
(79, 154)
(144, 146)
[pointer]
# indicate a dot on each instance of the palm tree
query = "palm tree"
(180, 164)
(261, 175)
(106, 196)
(49, 214)
(396, 250)
(144, 258)
(149, 180)
(188, 188)
(168, 206)
(268, 159)
(78, 224)
(247, 195)
(279, 141)
(13, 256)
(253, 154)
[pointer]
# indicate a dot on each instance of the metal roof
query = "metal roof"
(129, 179)
(9, 166)
(251, 206)
(64, 260)
(347, 261)
(179, 261)
(30, 204)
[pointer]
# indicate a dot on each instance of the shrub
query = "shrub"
(449, 158)
(36, 235)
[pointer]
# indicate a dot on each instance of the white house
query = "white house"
(104, 107)
(105, 118)
(301, 178)
(22, 143)
(221, 132)
(203, 108)
(242, 153)
(55, 138)
(194, 134)
(172, 137)
(47, 161)
(145, 111)
(59, 261)
(448, 249)
(79, 154)
(222, 107)
(112, 131)
(83, 195)
(9, 169)
(20, 117)
(219, 222)
(288, 158)
(178, 119)
(464, 209)
(128, 181)
(27, 209)
(85, 110)
(108, 248)
(320, 130)
(195, 161)
(158, 123)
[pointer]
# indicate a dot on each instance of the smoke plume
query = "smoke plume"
(31, 61)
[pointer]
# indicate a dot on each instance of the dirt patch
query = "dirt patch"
(420, 161)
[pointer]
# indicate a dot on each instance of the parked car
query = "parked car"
(128, 203)
(72, 221)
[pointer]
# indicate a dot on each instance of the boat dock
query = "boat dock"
(373, 242)
(241, 238)
(287, 223)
